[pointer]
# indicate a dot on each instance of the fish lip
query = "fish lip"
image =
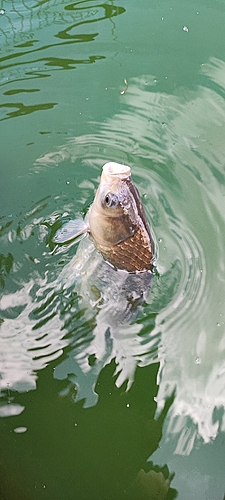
(113, 169)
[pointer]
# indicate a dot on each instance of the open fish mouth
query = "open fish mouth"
(115, 169)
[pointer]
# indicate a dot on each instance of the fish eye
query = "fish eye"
(111, 200)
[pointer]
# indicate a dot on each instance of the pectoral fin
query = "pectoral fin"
(75, 228)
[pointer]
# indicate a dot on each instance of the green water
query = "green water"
(92, 407)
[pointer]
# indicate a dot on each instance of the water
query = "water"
(91, 407)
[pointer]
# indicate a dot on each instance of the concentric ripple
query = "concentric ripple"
(174, 145)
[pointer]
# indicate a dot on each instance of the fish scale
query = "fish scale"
(133, 254)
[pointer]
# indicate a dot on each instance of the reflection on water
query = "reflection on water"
(183, 139)
(81, 308)
(19, 21)
(27, 58)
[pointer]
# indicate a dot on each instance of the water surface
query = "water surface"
(100, 399)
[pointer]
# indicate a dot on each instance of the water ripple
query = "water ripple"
(174, 145)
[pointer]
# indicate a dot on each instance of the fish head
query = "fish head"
(109, 217)
(117, 217)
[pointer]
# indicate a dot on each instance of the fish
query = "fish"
(87, 305)
(116, 222)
